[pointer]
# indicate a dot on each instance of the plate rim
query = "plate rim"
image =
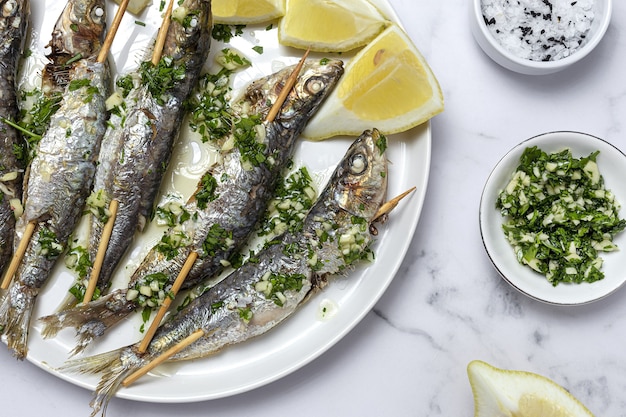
(422, 135)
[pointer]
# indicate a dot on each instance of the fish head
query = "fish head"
(360, 179)
(190, 26)
(14, 17)
(80, 29)
(316, 80)
(13, 11)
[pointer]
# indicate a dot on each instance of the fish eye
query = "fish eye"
(314, 85)
(358, 164)
(9, 8)
(97, 13)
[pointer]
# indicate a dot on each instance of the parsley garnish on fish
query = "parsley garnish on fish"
(77, 259)
(171, 242)
(294, 196)
(35, 119)
(559, 215)
(274, 285)
(252, 150)
(161, 78)
(211, 114)
(217, 239)
(206, 191)
(49, 246)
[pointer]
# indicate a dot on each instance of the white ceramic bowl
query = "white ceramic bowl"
(488, 43)
(612, 165)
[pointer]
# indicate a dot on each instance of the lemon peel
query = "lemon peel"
(388, 85)
(330, 26)
(499, 392)
(244, 12)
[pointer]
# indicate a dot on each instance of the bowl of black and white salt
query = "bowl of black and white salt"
(538, 37)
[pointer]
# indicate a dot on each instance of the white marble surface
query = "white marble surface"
(447, 305)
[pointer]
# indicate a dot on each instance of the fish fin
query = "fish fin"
(15, 312)
(90, 320)
(115, 366)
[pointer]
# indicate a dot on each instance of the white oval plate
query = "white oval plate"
(304, 336)
(612, 165)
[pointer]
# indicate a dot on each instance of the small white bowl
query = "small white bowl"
(603, 10)
(612, 165)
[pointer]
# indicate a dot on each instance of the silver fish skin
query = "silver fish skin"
(242, 196)
(78, 33)
(61, 176)
(136, 149)
(14, 20)
(240, 307)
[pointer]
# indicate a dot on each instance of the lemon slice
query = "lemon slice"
(244, 12)
(498, 392)
(387, 85)
(330, 26)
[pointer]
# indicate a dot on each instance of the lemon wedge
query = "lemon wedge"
(329, 26)
(135, 6)
(244, 12)
(387, 85)
(498, 392)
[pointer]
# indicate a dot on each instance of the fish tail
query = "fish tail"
(115, 366)
(16, 309)
(90, 320)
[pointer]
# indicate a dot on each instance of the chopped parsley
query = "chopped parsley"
(35, 119)
(225, 33)
(161, 78)
(206, 190)
(294, 196)
(274, 286)
(49, 246)
(217, 240)
(258, 49)
(171, 242)
(558, 215)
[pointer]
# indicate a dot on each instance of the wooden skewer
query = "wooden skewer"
(291, 81)
(160, 41)
(391, 204)
(163, 357)
(108, 41)
(168, 300)
(102, 248)
(19, 254)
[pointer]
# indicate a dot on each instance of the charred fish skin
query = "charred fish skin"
(61, 175)
(78, 33)
(242, 195)
(134, 156)
(14, 20)
(244, 305)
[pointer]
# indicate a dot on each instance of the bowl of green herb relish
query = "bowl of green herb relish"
(551, 218)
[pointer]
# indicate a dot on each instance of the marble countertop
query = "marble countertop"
(447, 305)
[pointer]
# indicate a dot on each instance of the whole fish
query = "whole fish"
(142, 130)
(77, 34)
(14, 17)
(240, 194)
(61, 175)
(258, 296)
